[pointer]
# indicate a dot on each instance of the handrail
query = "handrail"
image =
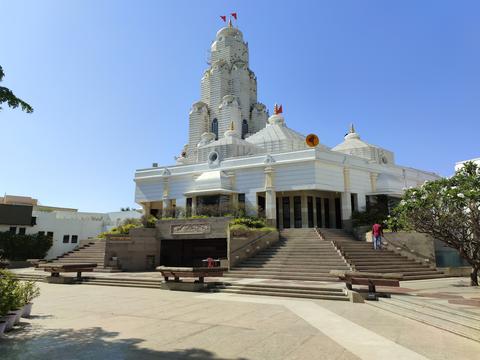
(252, 242)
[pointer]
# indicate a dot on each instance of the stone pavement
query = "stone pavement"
(99, 322)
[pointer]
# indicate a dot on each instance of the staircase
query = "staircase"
(300, 254)
(284, 290)
(92, 252)
(460, 322)
(362, 257)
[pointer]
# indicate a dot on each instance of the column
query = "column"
(270, 198)
(234, 204)
(194, 205)
(346, 204)
(165, 201)
(362, 202)
(146, 209)
(304, 211)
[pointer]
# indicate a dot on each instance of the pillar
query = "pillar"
(304, 211)
(346, 204)
(270, 198)
(194, 205)
(362, 202)
(146, 209)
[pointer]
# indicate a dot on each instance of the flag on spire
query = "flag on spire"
(234, 14)
(223, 17)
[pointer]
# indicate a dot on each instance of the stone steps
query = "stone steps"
(284, 291)
(124, 282)
(363, 257)
(300, 255)
(460, 323)
(92, 252)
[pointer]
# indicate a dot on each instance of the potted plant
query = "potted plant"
(30, 291)
(8, 299)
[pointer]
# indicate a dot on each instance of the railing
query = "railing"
(246, 247)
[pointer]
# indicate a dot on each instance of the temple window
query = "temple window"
(215, 128)
(244, 128)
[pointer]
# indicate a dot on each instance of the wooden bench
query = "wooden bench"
(56, 269)
(190, 272)
(372, 280)
(36, 262)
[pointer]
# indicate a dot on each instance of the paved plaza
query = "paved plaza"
(103, 322)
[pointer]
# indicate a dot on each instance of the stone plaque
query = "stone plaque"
(190, 229)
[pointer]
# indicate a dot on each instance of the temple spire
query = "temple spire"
(352, 129)
(230, 23)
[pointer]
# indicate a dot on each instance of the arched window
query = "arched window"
(215, 128)
(244, 128)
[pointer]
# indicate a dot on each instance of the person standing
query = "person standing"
(377, 234)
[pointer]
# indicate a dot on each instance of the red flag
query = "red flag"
(234, 15)
(280, 109)
(223, 17)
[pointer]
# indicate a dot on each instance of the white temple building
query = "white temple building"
(238, 156)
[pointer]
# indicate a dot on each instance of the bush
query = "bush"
(23, 247)
(29, 290)
(14, 294)
(10, 297)
(250, 222)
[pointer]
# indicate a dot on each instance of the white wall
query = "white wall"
(84, 225)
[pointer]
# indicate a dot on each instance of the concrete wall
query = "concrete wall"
(416, 246)
(245, 244)
(132, 250)
(205, 228)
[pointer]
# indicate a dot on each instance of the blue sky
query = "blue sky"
(112, 83)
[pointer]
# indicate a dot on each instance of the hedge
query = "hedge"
(23, 247)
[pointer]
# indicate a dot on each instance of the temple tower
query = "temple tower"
(228, 93)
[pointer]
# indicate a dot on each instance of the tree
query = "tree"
(7, 96)
(448, 210)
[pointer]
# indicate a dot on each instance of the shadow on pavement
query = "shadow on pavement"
(29, 342)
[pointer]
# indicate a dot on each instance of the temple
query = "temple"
(239, 158)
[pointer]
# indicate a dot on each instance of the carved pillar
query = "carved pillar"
(270, 198)
(165, 198)
(346, 200)
(194, 205)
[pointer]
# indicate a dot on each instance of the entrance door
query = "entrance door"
(338, 213)
(310, 211)
(318, 204)
(326, 206)
(286, 212)
(297, 211)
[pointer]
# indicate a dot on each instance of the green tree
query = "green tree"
(7, 96)
(448, 210)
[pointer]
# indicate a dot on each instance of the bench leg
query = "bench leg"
(200, 279)
(372, 292)
(79, 275)
(55, 274)
(177, 279)
(165, 278)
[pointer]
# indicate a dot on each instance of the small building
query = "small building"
(238, 157)
(66, 226)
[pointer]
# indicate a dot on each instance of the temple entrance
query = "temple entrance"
(308, 209)
(191, 252)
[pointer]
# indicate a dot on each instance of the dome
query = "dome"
(229, 31)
